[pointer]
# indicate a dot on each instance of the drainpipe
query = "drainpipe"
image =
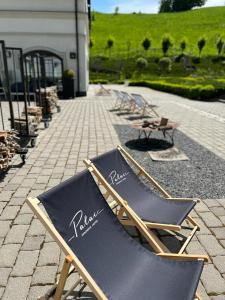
(77, 45)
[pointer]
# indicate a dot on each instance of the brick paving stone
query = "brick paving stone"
(49, 255)
(25, 209)
(28, 182)
(195, 247)
(212, 203)
(25, 263)
(219, 233)
(16, 234)
(219, 262)
(2, 205)
(44, 275)
(21, 192)
(16, 201)
(36, 292)
(36, 228)
(210, 219)
(9, 213)
(223, 243)
(202, 292)
(16, 180)
(17, 288)
(4, 275)
(4, 228)
(33, 243)
(222, 202)
(6, 195)
(203, 228)
(48, 238)
(201, 207)
(24, 219)
(8, 255)
(213, 282)
(222, 219)
(211, 245)
(218, 211)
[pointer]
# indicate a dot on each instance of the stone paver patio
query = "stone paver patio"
(29, 259)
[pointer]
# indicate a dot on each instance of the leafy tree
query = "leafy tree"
(116, 12)
(183, 45)
(179, 5)
(165, 6)
(201, 44)
(167, 43)
(219, 45)
(146, 44)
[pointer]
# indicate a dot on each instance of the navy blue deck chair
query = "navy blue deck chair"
(158, 211)
(110, 262)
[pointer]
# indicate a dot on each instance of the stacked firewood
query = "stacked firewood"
(8, 148)
(36, 112)
(49, 99)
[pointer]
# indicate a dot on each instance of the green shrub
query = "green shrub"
(165, 64)
(141, 63)
(69, 73)
(200, 92)
(99, 81)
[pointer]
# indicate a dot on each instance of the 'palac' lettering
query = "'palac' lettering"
(116, 178)
(80, 222)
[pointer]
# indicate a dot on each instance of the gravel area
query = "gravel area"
(201, 176)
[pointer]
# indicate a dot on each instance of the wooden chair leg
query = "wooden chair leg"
(63, 278)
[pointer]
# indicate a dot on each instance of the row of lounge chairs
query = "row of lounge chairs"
(134, 103)
(87, 217)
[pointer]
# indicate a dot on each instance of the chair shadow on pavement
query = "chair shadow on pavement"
(138, 117)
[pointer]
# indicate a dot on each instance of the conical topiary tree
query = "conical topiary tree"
(201, 44)
(167, 43)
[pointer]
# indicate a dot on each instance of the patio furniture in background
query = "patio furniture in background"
(113, 265)
(158, 212)
(123, 101)
(163, 125)
(143, 107)
(103, 91)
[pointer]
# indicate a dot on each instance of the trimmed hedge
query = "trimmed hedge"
(99, 81)
(105, 81)
(198, 92)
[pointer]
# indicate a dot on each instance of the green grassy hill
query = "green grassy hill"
(132, 28)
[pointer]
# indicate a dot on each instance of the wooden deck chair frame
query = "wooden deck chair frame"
(122, 212)
(147, 109)
(120, 104)
(72, 260)
(104, 90)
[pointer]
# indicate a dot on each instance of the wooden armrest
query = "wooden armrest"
(183, 256)
(184, 199)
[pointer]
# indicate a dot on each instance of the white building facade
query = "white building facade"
(60, 27)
